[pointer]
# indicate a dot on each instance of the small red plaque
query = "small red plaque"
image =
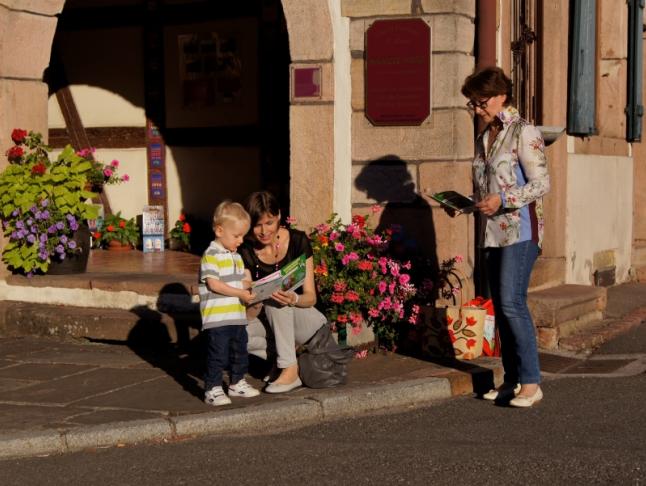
(306, 82)
(398, 72)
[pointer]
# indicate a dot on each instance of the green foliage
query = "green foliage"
(116, 227)
(42, 203)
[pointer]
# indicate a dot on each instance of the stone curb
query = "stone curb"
(287, 413)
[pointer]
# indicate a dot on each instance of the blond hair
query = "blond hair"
(229, 211)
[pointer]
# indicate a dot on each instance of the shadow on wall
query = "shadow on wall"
(388, 182)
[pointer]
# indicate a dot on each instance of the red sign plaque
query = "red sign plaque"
(398, 72)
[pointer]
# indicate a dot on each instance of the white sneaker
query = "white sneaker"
(243, 389)
(216, 397)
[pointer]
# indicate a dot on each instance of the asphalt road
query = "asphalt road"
(586, 431)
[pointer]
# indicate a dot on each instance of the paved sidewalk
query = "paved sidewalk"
(63, 395)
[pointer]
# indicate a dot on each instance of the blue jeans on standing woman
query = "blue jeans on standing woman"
(226, 347)
(509, 269)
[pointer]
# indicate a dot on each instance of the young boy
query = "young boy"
(224, 285)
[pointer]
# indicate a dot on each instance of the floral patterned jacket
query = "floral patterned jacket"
(514, 166)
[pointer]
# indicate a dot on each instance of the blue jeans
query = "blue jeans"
(226, 345)
(509, 269)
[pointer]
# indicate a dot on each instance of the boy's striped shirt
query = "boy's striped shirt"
(220, 310)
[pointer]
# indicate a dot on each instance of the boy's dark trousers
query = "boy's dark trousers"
(225, 346)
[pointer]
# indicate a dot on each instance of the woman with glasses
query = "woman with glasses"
(510, 178)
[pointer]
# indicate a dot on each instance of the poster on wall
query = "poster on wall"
(210, 69)
(211, 73)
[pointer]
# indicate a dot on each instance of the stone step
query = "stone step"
(639, 254)
(640, 273)
(564, 310)
(585, 341)
(136, 324)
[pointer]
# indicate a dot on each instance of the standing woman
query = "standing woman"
(291, 316)
(510, 178)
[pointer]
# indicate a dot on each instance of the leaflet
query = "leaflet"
(290, 277)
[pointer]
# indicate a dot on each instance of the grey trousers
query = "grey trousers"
(291, 326)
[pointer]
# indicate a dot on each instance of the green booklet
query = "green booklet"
(455, 201)
(290, 277)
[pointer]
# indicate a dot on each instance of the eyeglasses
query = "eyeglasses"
(473, 104)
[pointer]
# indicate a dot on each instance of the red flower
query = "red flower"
(18, 136)
(182, 217)
(38, 169)
(15, 153)
(359, 220)
(96, 235)
(122, 224)
(364, 265)
(186, 228)
(471, 343)
(449, 320)
(342, 318)
(452, 336)
(110, 228)
(471, 321)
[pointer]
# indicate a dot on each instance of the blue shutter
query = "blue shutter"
(582, 72)
(635, 109)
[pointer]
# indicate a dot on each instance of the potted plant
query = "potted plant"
(44, 205)
(180, 235)
(358, 283)
(117, 233)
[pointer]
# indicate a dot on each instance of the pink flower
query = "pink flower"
(356, 319)
(334, 235)
(322, 228)
(404, 278)
(391, 287)
(340, 286)
(458, 258)
(363, 354)
(339, 247)
(107, 172)
(345, 260)
(114, 163)
(125, 178)
(337, 298)
(372, 312)
(375, 208)
(290, 220)
(352, 296)
(382, 287)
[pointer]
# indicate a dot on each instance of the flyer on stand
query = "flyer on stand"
(290, 277)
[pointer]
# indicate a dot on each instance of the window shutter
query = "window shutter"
(635, 109)
(582, 72)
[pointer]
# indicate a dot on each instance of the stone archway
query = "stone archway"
(27, 29)
(311, 42)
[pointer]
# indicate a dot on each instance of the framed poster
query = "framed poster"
(211, 73)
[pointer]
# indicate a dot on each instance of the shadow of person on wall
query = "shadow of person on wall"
(166, 342)
(388, 182)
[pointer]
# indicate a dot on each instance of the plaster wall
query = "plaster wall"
(598, 227)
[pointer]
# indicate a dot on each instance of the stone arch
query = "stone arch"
(311, 42)
(23, 94)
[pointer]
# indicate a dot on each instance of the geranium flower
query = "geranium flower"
(18, 136)
(114, 163)
(339, 247)
(186, 228)
(15, 153)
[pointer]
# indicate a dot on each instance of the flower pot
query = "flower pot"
(77, 262)
(176, 245)
(116, 245)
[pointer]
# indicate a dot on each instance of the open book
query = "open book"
(455, 201)
(290, 277)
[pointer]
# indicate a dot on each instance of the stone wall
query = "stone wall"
(26, 32)
(390, 164)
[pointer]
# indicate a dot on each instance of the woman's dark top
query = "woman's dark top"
(299, 244)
